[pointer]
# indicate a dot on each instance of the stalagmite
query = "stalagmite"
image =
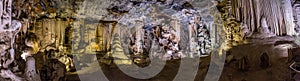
(30, 70)
(192, 30)
(263, 30)
(138, 43)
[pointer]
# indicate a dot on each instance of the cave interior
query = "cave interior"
(68, 40)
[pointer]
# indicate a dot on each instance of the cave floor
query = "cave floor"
(113, 73)
(278, 71)
(169, 72)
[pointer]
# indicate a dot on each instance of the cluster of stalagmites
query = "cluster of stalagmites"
(164, 37)
(204, 40)
(199, 39)
(162, 23)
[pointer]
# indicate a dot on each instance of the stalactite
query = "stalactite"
(76, 36)
(108, 30)
(99, 37)
(5, 13)
(1, 12)
(45, 30)
(62, 31)
(177, 28)
(57, 28)
(288, 17)
(191, 30)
